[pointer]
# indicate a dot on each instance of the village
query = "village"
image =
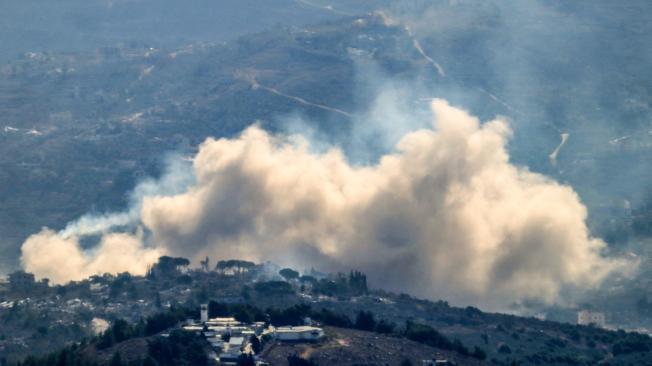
(238, 310)
(229, 339)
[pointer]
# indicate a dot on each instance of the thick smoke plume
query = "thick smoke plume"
(61, 259)
(445, 215)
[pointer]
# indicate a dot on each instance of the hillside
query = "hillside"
(83, 122)
(340, 347)
(354, 347)
(64, 112)
(36, 319)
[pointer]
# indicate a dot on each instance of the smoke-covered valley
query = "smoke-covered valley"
(322, 149)
(445, 214)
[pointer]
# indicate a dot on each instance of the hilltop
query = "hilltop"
(37, 318)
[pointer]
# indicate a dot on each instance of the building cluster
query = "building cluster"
(229, 338)
(588, 317)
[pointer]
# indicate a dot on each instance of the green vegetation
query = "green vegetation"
(69, 356)
(168, 267)
(235, 265)
(180, 348)
(365, 321)
(121, 330)
(289, 274)
(273, 288)
(341, 285)
(500, 338)
(296, 360)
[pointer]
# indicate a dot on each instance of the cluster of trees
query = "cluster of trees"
(23, 284)
(428, 335)
(121, 330)
(179, 349)
(296, 360)
(234, 265)
(355, 283)
(271, 288)
(365, 320)
(122, 283)
(632, 343)
(69, 356)
(289, 274)
(358, 282)
(167, 267)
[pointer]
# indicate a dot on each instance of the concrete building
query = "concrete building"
(299, 334)
(21, 280)
(588, 317)
(215, 331)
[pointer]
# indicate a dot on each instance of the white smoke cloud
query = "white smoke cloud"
(61, 259)
(445, 215)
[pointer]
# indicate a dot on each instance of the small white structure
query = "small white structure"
(231, 350)
(236, 342)
(204, 312)
(436, 362)
(299, 334)
(215, 342)
(193, 328)
(588, 317)
(223, 322)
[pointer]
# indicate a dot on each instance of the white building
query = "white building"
(298, 334)
(204, 312)
(231, 350)
(223, 322)
(588, 317)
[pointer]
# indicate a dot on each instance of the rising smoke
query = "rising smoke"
(444, 215)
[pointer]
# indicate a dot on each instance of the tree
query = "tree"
(237, 265)
(460, 347)
(427, 335)
(308, 279)
(289, 274)
(118, 332)
(358, 282)
(149, 361)
(216, 309)
(273, 288)
(328, 317)
(116, 360)
(365, 321)
(180, 348)
(504, 349)
(246, 359)
(168, 267)
(479, 353)
(256, 346)
(295, 360)
(385, 327)
(162, 321)
(205, 264)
